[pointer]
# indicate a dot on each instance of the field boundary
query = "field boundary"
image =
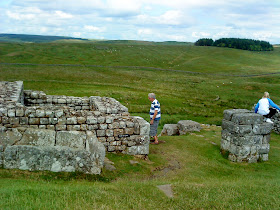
(142, 68)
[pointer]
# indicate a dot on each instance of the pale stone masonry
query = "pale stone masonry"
(35, 122)
(245, 136)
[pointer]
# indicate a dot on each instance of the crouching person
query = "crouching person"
(263, 105)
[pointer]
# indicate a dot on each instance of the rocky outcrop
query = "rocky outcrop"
(245, 136)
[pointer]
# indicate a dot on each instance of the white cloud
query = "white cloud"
(18, 16)
(61, 14)
(93, 28)
(157, 20)
(199, 35)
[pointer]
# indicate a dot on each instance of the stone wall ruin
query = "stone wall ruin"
(65, 133)
(245, 136)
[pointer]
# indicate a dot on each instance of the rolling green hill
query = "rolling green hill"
(192, 82)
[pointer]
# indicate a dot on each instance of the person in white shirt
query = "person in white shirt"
(262, 107)
(155, 115)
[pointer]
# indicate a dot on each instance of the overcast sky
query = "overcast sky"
(152, 20)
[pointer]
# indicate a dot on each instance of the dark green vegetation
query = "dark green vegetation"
(204, 42)
(200, 176)
(243, 44)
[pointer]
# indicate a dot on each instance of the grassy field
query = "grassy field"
(201, 178)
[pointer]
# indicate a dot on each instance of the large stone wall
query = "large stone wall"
(245, 136)
(69, 122)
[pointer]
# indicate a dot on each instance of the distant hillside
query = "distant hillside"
(33, 38)
(64, 39)
(137, 42)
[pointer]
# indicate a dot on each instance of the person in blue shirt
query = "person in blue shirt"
(263, 105)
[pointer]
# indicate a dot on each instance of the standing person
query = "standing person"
(155, 116)
(262, 107)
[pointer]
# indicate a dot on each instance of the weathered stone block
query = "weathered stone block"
(95, 147)
(225, 145)
(262, 129)
(54, 159)
(61, 101)
(5, 120)
(186, 126)
(235, 128)
(122, 124)
(40, 113)
(264, 149)
(34, 121)
(14, 121)
(118, 132)
(51, 127)
(247, 118)
(229, 112)
(110, 139)
(109, 132)
(170, 130)
(84, 127)
(3, 111)
(100, 120)
(264, 157)
(72, 139)
(37, 137)
(92, 127)
(91, 120)
(53, 121)
(20, 112)
(109, 119)
(81, 120)
(129, 124)
(71, 121)
(49, 113)
(111, 148)
(266, 139)
(103, 126)
(60, 127)
(100, 133)
(59, 113)
(23, 120)
(10, 137)
(44, 121)
(137, 150)
(11, 112)
(129, 131)
(61, 121)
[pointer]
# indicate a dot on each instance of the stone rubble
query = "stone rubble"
(181, 128)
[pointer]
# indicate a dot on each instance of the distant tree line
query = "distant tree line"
(243, 44)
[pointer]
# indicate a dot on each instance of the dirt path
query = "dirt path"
(142, 68)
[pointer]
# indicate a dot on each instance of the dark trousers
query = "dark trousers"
(272, 112)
